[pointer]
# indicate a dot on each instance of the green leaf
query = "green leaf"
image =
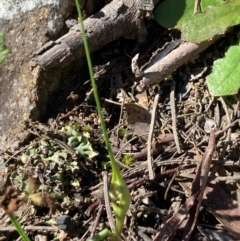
(172, 13)
(58, 157)
(224, 79)
(85, 149)
(80, 143)
(72, 165)
(206, 3)
(101, 235)
(3, 49)
(214, 21)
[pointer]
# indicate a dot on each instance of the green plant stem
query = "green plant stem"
(102, 122)
(118, 192)
(19, 228)
(101, 235)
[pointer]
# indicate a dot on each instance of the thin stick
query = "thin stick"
(227, 127)
(149, 154)
(84, 235)
(112, 102)
(174, 118)
(206, 162)
(31, 228)
(172, 179)
(122, 147)
(120, 117)
(107, 202)
(87, 231)
(134, 137)
(227, 140)
(210, 104)
(96, 222)
(159, 70)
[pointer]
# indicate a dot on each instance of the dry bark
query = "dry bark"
(119, 18)
(162, 66)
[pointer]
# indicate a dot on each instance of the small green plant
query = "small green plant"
(128, 159)
(79, 141)
(124, 134)
(118, 190)
(48, 155)
(214, 17)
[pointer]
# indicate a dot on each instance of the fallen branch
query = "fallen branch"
(164, 65)
(119, 18)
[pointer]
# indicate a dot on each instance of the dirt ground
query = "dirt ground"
(57, 173)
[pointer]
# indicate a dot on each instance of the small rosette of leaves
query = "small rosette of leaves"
(80, 142)
(50, 165)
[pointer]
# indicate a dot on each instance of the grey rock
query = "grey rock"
(28, 25)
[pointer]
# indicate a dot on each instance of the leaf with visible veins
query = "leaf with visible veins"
(215, 20)
(224, 79)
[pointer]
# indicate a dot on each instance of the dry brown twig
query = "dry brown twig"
(149, 154)
(96, 222)
(174, 117)
(200, 182)
(172, 179)
(107, 201)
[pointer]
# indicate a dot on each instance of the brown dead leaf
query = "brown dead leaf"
(142, 99)
(199, 184)
(168, 230)
(139, 119)
(10, 200)
(43, 199)
(224, 208)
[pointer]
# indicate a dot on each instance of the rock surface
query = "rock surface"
(28, 25)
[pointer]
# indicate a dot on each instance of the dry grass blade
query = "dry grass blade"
(149, 155)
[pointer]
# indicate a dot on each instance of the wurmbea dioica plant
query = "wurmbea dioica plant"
(118, 191)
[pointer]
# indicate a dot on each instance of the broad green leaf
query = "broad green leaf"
(206, 3)
(225, 77)
(214, 21)
(3, 49)
(172, 13)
